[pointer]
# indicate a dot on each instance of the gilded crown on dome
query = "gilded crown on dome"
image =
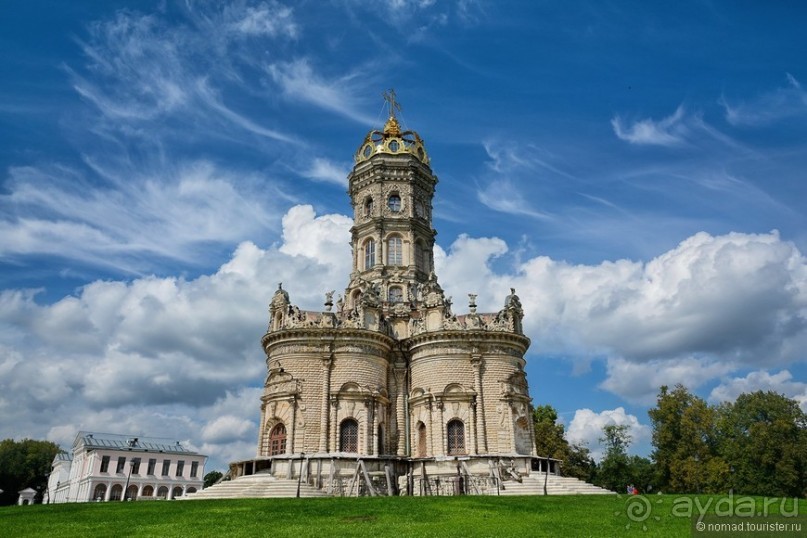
(392, 141)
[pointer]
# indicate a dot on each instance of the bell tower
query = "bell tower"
(391, 188)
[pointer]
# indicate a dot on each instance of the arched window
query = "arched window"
(162, 492)
(420, 258)
(421, 440)
(177, 492)
(116, 493)
(131, 492)
(191, 490)
(277, 440)
(368, 207)
(369, 254)
(349, 435)
(148, 491)
(394, 203)
(100, 492)
(456, 437)
(395, 294)
(394, 251)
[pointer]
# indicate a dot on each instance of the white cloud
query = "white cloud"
(327, 171)
(693, 314)
(227, 428)
(162, 356)
(138, 64)
(52, 210)
(143, 70)
(272, 19)
(781, 382)
(586, 428)
(213, 101)
(299, 82)
(779, 104)
(182, 353)
(640, 382)
(455, 274)
(670, 131)
(510, 157)
(324, 238)
(502, 195)
(510, 164)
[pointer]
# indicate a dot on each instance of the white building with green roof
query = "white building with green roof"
(111, 467)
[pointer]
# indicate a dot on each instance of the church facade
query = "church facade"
(387, 390)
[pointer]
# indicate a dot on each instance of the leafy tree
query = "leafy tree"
(686, 443)
(641, 473)
(549, 435)
(613, 472)
(763, 437)
(550, 441)
(212, 477)
(24, 464)
(579, 463)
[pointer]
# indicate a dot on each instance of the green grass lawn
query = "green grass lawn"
(565, 516)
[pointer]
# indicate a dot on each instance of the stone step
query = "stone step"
(256, 486)
(555, 485)
(266, 486)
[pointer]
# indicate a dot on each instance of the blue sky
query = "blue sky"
(635, 169)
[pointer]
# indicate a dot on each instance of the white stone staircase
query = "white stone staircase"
(261, 485)
(264, 485)
(555, 485)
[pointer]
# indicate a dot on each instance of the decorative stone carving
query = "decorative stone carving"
(451, 323)
(281, 382)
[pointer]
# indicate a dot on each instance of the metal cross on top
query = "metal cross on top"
(389, 97)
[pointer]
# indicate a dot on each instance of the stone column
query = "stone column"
(108, 493)
(326, 396)
(369, 404)
(511, 424)
(262, 432)
(334, 424)
(443, 448)
(474, 444)
(400, 411)
(290, 445)
(481, 427)
(430, 428)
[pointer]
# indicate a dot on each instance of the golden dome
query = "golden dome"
(392, 141)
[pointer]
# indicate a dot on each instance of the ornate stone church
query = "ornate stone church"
(388, 390)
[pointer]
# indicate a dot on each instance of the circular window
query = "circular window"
(393, 146)
(394, 203)
(368, 149)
